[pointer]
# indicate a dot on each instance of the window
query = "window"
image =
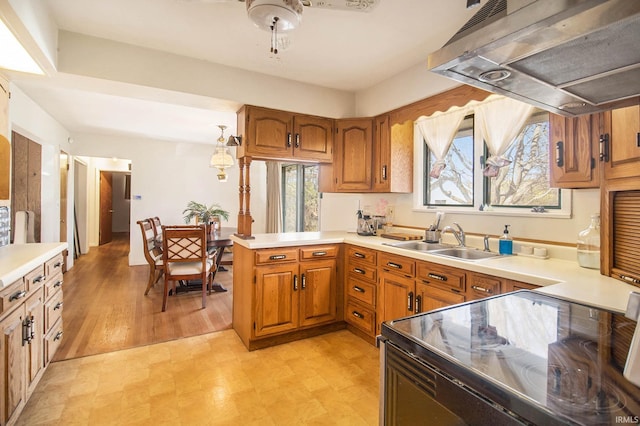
(300, 198)
(517, 189)
(454, 186)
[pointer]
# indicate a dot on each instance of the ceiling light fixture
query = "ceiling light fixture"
(275, 16)
(221, 159)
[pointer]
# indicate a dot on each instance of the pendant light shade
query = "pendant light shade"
(221, 158)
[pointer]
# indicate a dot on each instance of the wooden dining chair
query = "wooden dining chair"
(156, 226)
(154, 259)
(185, 257)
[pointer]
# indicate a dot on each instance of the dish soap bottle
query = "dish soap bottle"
(505, 244)
(589, 244)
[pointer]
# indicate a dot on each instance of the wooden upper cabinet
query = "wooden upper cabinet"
(573, 151)
(353, 155)
(622, 153)
(270, 134)
(382, 155)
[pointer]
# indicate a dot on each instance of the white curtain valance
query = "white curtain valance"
(500, 121)
(438, 132)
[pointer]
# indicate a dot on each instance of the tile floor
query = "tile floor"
(213, 380)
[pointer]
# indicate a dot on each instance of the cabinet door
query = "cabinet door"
(13, 367)
(313, 138)
(434, 298)
(382, 155)
(573, 144)
(397, 296)
(354, 155)
(317, 292)
(269, 133)
(623, 126)
(276, 299)
(35, 349)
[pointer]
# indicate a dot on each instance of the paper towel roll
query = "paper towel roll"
(24, 227)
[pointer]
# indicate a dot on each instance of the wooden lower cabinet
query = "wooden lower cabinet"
(24, 351)
(513, 285)
(284, 291)
(482, 285)
(430, 298)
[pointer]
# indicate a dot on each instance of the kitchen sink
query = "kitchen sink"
(463, 253)
(419, 245)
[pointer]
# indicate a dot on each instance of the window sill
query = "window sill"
(551, 214)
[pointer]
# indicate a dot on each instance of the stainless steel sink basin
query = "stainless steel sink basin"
(465, 253)
(419, 245)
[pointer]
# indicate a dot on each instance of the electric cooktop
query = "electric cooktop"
(531, 353)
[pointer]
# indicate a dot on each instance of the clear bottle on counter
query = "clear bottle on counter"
(589, 244)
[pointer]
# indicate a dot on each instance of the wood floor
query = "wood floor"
(105, 308)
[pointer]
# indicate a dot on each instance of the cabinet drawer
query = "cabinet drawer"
(435, 298)
(398, 264)
(276, 255)
(361, 254)
(52, 311)
(441, 276)
(481, 285)
(363, 272)
(35, 278)
(362, 291)
(12, 295)
(361, 317)
(318, 252)
(52, 341)
(54, 265)
(53, 285)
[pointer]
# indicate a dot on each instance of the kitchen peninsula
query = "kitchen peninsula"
(280, 259)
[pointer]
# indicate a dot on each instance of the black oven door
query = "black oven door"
(416, 394)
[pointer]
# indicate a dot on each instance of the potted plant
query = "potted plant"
(203, 213)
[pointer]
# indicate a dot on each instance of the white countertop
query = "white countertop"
(16, 260)
(561, 278)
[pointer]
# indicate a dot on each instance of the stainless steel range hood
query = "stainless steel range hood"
(570, 57)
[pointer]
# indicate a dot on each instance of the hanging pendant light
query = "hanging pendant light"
(221, 159)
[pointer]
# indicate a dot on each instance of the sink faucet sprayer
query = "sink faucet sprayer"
(459, 234)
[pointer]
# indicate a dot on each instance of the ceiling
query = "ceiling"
(343, 50)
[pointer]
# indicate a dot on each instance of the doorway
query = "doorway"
(115, 204)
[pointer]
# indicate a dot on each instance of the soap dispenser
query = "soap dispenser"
(505, 244)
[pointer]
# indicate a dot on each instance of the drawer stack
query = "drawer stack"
(53, 307)
(361, 275)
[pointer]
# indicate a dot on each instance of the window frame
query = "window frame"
(300, 194)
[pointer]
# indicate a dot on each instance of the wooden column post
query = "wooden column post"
(244, 212)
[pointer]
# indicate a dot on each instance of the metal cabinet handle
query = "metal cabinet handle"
(394, 265)
(58, 306)
(277, 257)
(288, 140)
(359, 271)
(58, 336)
(28, 334)
(57, 264)
(38, 279)
(304, 282)
(359, 255)
(319, 253)
(357, 314)
(384, 172)
(57, 284)
(297, 140)
(358, 289)
(482, 289)
(410, 301)
(295, 283)
(418, 304)
(559, 153)
(17, 295)
(603, 147)
(436, 276)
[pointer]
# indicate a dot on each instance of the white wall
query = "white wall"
(165, 176)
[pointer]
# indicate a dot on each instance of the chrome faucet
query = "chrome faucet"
(459, 234)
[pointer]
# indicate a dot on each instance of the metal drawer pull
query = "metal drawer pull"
(394, 265)
(58, 336)
(358, 289)
(57, 264)
(18, 295)
(57, 284)
(630, 279)
(359, 271)
(58, 306)
(357, 314)
(319, 253)
(485, 290)
(38, 279)
(277, 257)
(436, 276)
(359, 255)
